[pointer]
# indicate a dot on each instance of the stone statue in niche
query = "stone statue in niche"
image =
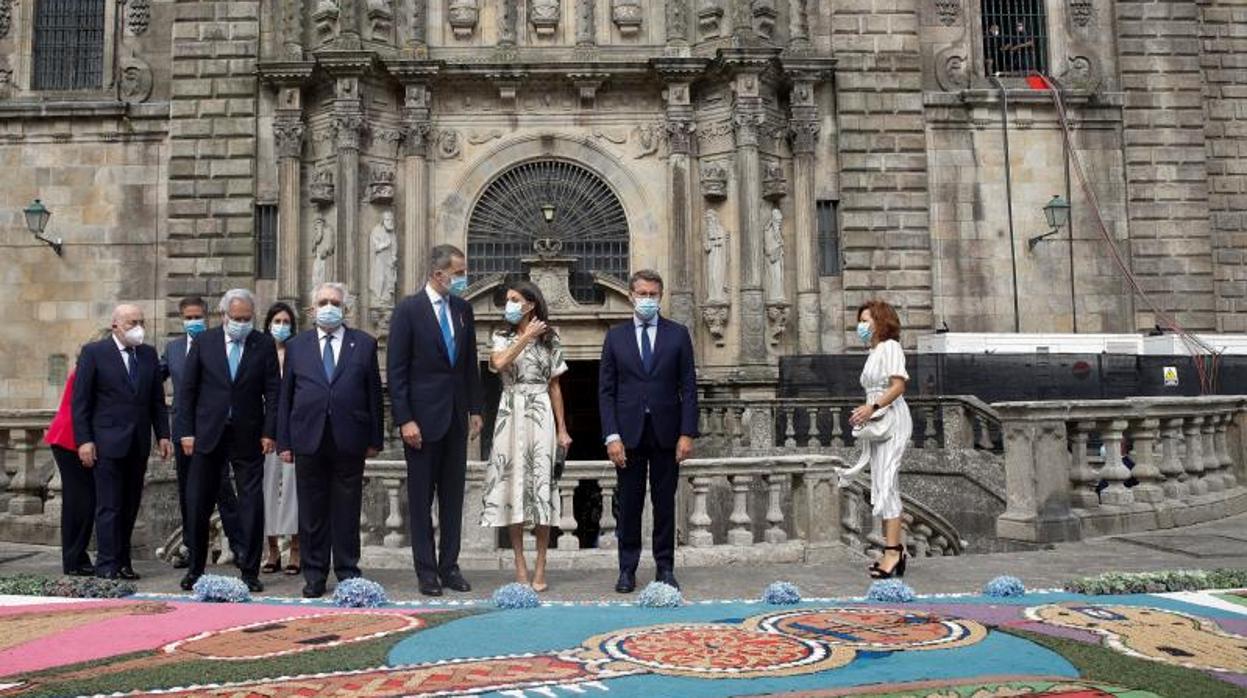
(715, 245)
(714, 181)
(322, 250)
(627, 16)
(320, 191)
(773, 246)
(463, 15)
(136, 80)
(774, 184)
(384, 270)
(381, 184)
(380, 19)
(325, 18)
(544, 15)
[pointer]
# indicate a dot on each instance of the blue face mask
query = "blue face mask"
(646, 308)
(237, 330)
(194, 328)
(864, 332)
(458, 284)
(280, 332)
(514, 312)
(329, 316)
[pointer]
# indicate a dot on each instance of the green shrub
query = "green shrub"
(68, 587)
(1157, 582)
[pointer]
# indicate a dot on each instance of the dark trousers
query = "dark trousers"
(437, 469)
(650, 460)
(77, 508)
(207, 472)
(118, 494)
(226, 502)
(331, 489)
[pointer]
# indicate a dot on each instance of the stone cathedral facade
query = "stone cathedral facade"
(779, 161)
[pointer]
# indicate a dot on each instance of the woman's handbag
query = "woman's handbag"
(560, 461)
(878, 427)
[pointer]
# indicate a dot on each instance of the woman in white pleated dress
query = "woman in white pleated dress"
(281, 505)
(884, 378)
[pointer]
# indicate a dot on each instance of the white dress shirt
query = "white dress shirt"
(437, 299)
(338, 335)
(189, 341)
(125, 355)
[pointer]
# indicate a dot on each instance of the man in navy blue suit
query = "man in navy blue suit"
(329, 420)
(228, 417)
(647, 396)
(435, 388)
(118, 402)
(194, 312)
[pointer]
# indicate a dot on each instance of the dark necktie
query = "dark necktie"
(647, 349)
(132, 367)
(328, 357)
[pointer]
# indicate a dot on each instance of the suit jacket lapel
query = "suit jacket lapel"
(634, 345)
(425, 308)
(120, 361)
(348, 348)
(248, 353)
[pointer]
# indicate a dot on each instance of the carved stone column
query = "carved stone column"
(747, 120)
(348, 23)
(677, 22)
(348, 126)
(418, 25)
(804, 131)
(507, 13)
(799, 25)
(679, 128)
(292, 30)
(288, 131)
(586, 23)
(416, 244)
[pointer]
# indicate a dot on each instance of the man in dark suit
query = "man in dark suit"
(435, 389)
(647, 396)
(329, 421)
(118, 402)
(228, 417)
(194, 311)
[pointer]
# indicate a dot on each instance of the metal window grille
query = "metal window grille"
(1015, 37)
(828, 239)
(266, 241)
(68, 45)
(588, 221)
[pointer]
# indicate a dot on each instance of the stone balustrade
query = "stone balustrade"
(1188, 456)
(30, 486)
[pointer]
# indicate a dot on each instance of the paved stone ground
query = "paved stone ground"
(1207, 546)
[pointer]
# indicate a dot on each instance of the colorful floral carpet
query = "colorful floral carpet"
(1040, 644)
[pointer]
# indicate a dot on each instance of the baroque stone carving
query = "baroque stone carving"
(325, 18)
(799, 22)
(6, 17)
(585, 22)
(418, 21)
(384, 270)
(483, 137)
(680, 135)
(713, 181)
(715, 241)
(507, 12)
(544, 16)
(380, 19)
(416, 137)
(380, 184)
(774, 184)
(777, 320)
(747, 126)
(138, 16)
(6, 77)
(320, 189)
(347, 130)
(715, 315)
(1081, 73)
(948, 11)
(764, 16)
(773, 247)
(288, 136)
(448, 147)
(627, 14)
(649, 137)
(616, 137)
(136, 80)
(463, 15)
(1081, 12)
(322, 250)
(804, 136)
(677, 20)
(952, 70)
(710, 18)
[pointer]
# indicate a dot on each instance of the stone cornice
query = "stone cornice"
(680, 69)
(286, 73)
(408, 70)
(348, 63)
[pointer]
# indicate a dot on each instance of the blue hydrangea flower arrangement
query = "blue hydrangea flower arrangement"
(890, 591)
(359, 593)
(781, 594)
(1004, 586)
(515, 595)
(659, 595)
(220, 589)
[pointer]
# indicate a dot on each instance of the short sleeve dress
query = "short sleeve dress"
(886, 360)
(518, 483)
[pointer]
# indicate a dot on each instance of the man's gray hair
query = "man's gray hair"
(441, 257)
(236, 294)
(341, 288)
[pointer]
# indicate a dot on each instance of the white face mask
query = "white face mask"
(134, 336)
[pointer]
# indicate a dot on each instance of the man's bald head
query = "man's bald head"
(126, 317)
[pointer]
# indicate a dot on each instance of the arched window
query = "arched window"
(68, 45)
(556, 200)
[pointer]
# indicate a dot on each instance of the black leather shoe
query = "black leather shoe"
(626, 583)
(313, 590)
(181, 562)
(83, 571)
(107, 575)
(253, 583)
(188, 582)
(667, 577)
(431, 588)
(455, 581)
(128, 573)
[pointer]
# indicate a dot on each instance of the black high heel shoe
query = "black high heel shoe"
(898, 570)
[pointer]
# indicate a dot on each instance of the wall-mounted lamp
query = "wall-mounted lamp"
(37, 216)
(1057, 213)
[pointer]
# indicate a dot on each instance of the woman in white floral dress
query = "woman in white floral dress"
(519, 486)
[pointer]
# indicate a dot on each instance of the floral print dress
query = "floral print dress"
(518, 487)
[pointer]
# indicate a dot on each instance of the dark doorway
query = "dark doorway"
(580, 404)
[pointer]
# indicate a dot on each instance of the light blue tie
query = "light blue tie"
(235, 356)
(447, 336)
(328, 357)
